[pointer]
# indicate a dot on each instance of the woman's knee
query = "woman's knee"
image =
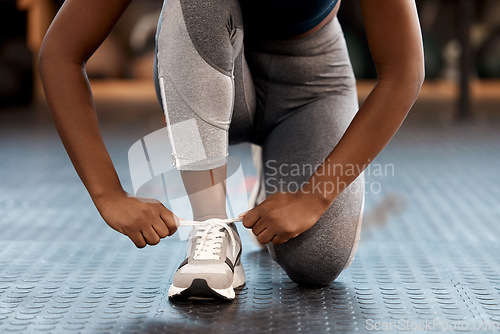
(313, 274)
(311, 262)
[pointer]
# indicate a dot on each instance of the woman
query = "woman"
(273, 73)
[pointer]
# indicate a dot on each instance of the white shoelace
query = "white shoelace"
(211, 234)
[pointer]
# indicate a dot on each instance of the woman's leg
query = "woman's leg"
(313, 101)
(203, 91)
(198, 74)
(317, 256)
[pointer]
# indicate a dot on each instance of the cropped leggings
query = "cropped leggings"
(293, 97)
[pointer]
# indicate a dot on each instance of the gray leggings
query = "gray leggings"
(295, 98)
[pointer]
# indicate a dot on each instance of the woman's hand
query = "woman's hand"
(283, 216)
(144, 221)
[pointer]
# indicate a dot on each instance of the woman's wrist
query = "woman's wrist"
(315, 200)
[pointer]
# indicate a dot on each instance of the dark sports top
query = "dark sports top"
(283, 18)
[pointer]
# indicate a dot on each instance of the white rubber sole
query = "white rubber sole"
(200, 289)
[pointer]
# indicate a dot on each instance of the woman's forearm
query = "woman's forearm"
(70, 100)
(371, 129)
(395, 41)
(75, 33)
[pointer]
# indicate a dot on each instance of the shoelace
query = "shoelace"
(212, 233)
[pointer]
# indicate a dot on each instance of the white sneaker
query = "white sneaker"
(212, 268)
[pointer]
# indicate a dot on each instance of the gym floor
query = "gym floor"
(429, 257)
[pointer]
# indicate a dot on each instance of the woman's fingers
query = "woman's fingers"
(251, 218)
(151, 236)
(279, 240)
(265, 236)
(169, 219)
(161, 228)
(258, 227)
(138, 239)
(164, 224)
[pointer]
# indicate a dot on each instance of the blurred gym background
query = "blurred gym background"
(462, 42)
